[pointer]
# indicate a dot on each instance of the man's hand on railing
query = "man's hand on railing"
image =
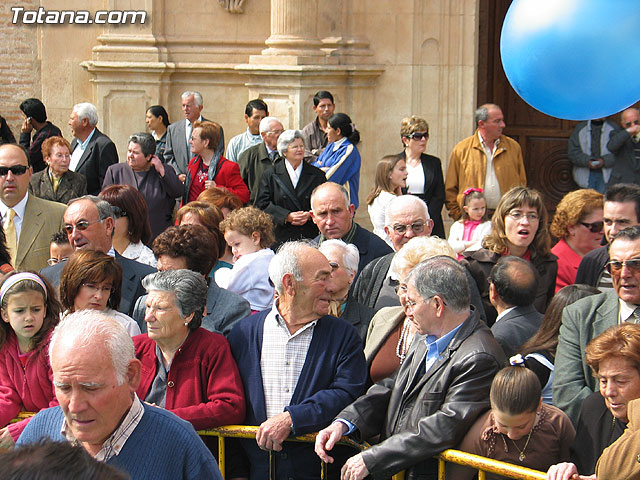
(354, 469)
(327, 439)
(274, 431)
(566, 471)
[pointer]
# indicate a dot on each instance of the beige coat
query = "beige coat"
(621, 459)
(468, 168)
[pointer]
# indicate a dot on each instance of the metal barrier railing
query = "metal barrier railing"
(482, 464)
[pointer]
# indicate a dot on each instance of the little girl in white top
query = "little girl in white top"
(468, 232)
(249, 232)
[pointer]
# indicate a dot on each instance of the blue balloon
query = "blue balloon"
(573, 59)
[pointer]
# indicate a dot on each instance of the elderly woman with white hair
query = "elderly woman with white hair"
(285, 190)
(185, 368)
(344, 259)
(391, 332)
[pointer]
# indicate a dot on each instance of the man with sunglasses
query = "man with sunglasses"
(333, 215)
(587, 318)
(28, 221)
(487, 159)
(90, 223)
(621, 210)
(624, 143)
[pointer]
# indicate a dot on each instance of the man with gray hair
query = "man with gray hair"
(344, 259)
(95, 375)
(487, 159)
(90, 224)
(439, 391)
(299, 366)
(257, 158)
(178, 150)
(92, 152)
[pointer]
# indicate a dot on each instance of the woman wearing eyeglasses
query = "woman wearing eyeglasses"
(578, 226)
(424, 171)
(340, 160)
(92, 280)
(518, 227)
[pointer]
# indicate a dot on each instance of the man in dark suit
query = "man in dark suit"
(90, 224)
(92, 152)
(178, 151)
(299, 366)
(438, 393)
(333, 214)
(589, 317)
(35, 119)
(624, 143)
(512, 288)
(29, 228)
(256, 159)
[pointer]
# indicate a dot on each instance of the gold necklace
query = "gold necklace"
(522, 456)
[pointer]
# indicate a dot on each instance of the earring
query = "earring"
(186, 324)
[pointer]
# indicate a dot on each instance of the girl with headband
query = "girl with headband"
(30, 311)
(468, 232)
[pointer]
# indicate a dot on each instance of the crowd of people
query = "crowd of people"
(192, 287)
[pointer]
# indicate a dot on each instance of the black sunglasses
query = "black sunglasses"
(418, 135)
(15, 169)
(616, 265)
(594, 227)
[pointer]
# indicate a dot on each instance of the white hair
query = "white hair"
(265, 123)
(87, 110)
(286, 138)
(196, 96)
(419, 249)
(88, 328)
(287, 261)
(399, 203)
(350, 253)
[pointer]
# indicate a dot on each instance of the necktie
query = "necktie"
(189, 130)
(272, 155)
(11, 236)
(635, 316)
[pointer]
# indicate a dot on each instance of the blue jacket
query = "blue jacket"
(342, 167)
(333, 376)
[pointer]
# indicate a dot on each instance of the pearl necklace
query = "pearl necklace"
(403, 341)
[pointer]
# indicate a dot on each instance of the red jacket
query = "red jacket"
(203, 385)
(24, 389)
(228, 176)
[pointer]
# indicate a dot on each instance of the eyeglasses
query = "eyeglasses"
(93, 288)
(411, 304)
(517, 216)
(296, 147)
(81, 225)
(593, 227)
(15, 169)
(334, 266)
(614, 266)
(275, 132)
(418, 135)
(54, 261)
(417, 227)
(628, 124)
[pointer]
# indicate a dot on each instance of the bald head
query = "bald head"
(515, 281)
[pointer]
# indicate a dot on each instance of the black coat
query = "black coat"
(277, 197)
(99, 155)
(433, 194)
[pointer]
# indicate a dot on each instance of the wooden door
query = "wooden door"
(543, 139)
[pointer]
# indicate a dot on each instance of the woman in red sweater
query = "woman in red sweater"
(191, 372)
(29, 311)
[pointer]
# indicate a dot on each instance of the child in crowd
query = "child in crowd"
(59, 249)
(468, 232)
(29, 311)
(519, 428)
(249, 233)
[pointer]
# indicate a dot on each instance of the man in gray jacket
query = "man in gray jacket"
(439, 391)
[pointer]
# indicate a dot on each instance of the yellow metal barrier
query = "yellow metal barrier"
(482, 464)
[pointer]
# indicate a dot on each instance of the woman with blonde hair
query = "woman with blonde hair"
(425, 179)
(518, 227)
(390, 179)
(578, 225)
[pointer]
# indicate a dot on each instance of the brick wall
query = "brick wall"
(19, 63)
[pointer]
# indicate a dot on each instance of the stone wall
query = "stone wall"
(382, 60)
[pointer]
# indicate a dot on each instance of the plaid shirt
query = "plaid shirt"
(114, 444)
(281, 361)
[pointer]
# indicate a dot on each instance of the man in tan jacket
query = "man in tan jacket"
(487, 159)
